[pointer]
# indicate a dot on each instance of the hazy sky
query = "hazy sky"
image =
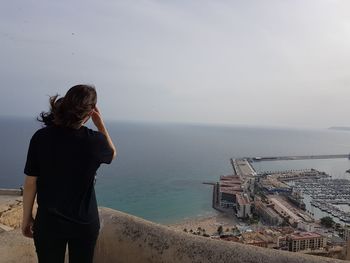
(242, 62)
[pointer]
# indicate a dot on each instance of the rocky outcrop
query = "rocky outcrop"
(10, 212)
(12, 217)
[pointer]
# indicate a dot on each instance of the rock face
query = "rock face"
(12, 217)
(125, 238)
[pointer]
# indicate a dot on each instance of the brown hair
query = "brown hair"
(70, 110)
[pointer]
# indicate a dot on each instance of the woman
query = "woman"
(61, 165)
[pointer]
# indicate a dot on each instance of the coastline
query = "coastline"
(11, 215)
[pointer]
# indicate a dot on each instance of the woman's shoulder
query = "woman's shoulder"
(83, 132)
(40, 132)
(48, 131)
(39, 136)
(90, 133)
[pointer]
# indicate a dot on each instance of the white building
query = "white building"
(243, 206)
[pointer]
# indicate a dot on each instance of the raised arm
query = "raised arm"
(29, 193)
(99, 123)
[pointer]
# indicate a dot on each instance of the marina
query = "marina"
(327, 195)
(297, 197)
(318, 189)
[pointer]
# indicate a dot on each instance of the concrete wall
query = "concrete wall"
(125, 238)
(16, 192)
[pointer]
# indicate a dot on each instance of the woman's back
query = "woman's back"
(66, 161)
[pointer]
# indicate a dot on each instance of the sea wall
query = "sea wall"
(125, 238)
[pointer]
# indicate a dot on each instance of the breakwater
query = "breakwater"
(298, 157)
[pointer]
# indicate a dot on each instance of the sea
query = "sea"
(160, 168)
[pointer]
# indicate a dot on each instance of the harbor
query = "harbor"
(293, 196)
(260, 202)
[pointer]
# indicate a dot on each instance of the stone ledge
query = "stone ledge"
(15, 192)
(125, 238)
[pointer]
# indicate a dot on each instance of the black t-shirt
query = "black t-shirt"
(65, 160)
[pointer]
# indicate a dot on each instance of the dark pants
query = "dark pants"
(52, 250)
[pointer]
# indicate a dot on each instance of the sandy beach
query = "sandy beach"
(210, 224)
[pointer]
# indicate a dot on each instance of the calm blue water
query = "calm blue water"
(160, 168)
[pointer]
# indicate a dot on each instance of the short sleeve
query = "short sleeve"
(105, 152)
(32, 164)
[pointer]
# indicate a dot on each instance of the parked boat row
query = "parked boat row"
(335, 189)
(326, 194)
(330, 208)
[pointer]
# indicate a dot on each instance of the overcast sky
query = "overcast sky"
(239, 62)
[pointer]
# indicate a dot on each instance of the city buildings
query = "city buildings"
(300, 241)
(266, 213)
(243, 206)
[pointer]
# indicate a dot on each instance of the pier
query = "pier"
(242, 167)
(233, 166)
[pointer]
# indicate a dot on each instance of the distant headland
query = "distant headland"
(339, 128)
